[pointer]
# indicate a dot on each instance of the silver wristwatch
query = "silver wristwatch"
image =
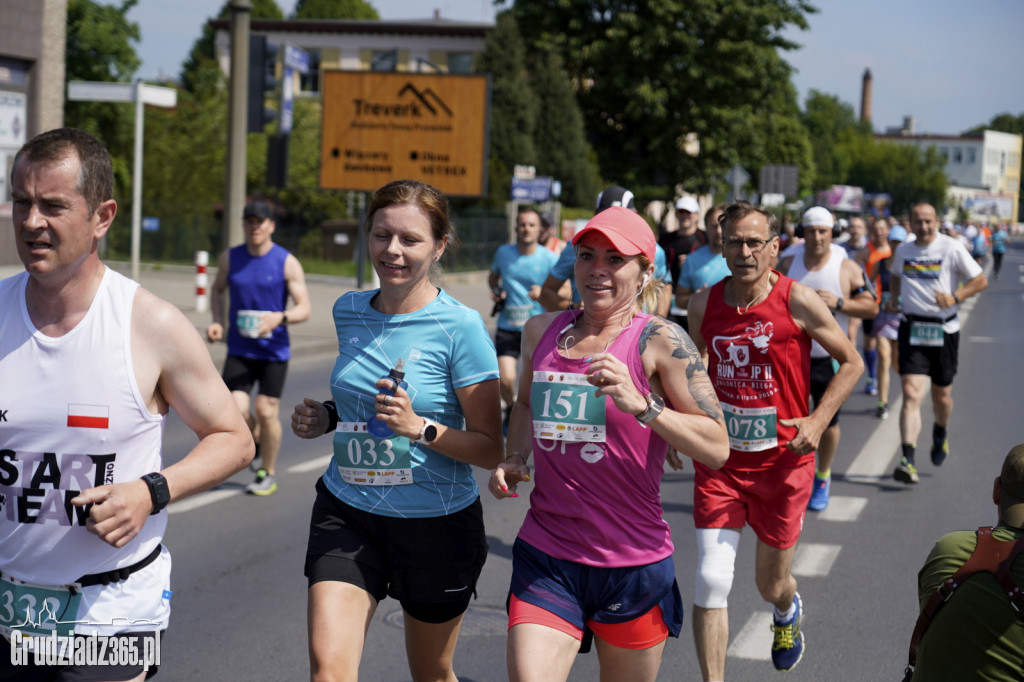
(655, 405)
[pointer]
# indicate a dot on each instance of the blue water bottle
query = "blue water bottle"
(376, 426)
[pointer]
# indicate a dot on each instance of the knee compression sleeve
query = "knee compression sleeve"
(716, 564)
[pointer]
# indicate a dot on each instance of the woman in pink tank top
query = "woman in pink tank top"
(608, 390)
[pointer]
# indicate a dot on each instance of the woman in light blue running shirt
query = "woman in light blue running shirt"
(399, 515)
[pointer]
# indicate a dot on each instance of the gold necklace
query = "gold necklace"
(767, 288)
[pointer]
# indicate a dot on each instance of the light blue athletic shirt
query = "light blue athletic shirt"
(703, 268)
(445, 346)
(518, 273)
(563, 267)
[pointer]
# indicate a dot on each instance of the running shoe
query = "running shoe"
(905, 472)
(939, 452)
(819, 494)
(870, 387)
(882, 411)
(788, 647)
(263, 485)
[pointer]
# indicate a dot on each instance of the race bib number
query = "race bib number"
(565, 408)
(751, 429)
(517, 315)
(38, 610)
(364, 459)
(926, 334)
(248, 323)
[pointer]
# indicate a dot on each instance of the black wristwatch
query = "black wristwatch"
(158, 491)
(839, 303)
(428, 433)
(284, 317)
(332, 415)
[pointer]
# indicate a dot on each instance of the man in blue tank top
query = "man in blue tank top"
(260, 277)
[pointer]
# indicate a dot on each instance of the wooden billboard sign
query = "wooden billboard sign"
(384, 126)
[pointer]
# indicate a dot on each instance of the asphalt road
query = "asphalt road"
(239, 593)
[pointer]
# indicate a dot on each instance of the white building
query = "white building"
(983, 170)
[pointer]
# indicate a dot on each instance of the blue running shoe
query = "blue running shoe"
(788, 647)
(819, 494)
(940, 452)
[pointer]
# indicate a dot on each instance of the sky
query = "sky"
(951, 64)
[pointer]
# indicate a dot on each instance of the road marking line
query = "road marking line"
(309, 465)
(201, 500)
(814, 559)
(754, 641)
(876, 455)
(842, 508)
(982, 339)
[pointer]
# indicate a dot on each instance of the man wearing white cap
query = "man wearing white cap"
(931, 276)
(971, 630)
(681, 243)
(841, 284)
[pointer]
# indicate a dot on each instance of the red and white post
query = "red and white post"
(202, 260)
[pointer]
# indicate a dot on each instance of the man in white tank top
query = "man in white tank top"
(91, 364)
(841, 283)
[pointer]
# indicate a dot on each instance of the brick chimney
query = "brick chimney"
(865, 97)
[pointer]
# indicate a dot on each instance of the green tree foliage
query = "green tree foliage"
(835, 134)
(99, 48)
(514, 109)
(651, 71)
(907, 173)
(334, 9)
(200, 72)
(559, 138)
(1004, 123)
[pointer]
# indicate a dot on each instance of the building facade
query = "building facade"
(32, 42)
(983, 170)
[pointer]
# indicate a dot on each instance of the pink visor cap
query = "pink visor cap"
(625, 229)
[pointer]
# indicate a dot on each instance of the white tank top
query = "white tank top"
(828, 279)
(71, 418)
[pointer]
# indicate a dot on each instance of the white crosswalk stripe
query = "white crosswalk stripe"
(814, 559)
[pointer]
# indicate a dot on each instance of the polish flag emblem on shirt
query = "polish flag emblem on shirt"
(89, 416)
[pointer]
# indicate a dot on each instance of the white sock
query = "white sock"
(781, 617)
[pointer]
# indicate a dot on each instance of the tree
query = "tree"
(99, 48)
(560, 138)
(334, 9)
(835, 133)
(905, 172)
(201, 71)
(514, 109)
(649, 72)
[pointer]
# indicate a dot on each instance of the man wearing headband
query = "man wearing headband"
(840, 282)
(977, 633)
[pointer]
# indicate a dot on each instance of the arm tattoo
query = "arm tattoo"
(683, 348)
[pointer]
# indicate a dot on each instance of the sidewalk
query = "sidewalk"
(177, 284)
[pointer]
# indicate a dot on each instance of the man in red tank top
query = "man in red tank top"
(754, 330)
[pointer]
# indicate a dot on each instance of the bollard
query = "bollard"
(202, 260)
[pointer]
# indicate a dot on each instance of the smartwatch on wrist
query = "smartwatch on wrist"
(428, 433)
(158, 491)
(332, 415)
(284, 317)
(839, 303)
(655, 405)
